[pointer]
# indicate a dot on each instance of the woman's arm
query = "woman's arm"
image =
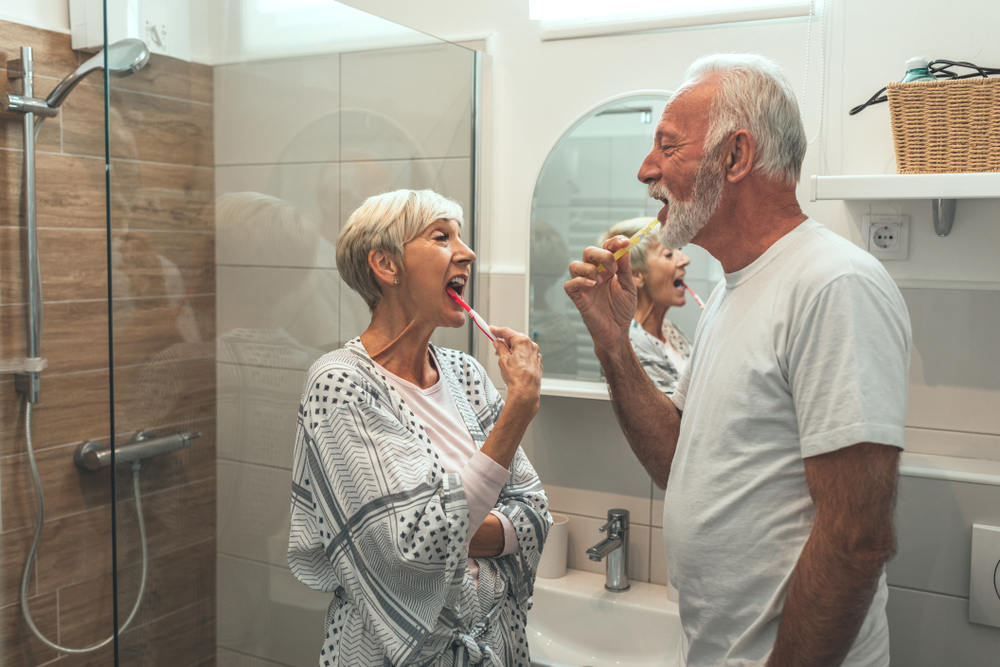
(522, 502)
(521, 368)
(488, 540)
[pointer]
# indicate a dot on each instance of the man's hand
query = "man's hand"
(606, 299)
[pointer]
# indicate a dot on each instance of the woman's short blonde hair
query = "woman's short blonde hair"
(637, 256)
(387, 222)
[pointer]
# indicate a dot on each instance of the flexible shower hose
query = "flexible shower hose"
(26, 575)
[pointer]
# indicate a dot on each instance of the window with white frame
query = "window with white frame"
(562, 19)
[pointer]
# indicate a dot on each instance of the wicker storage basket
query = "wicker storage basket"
(946, 126)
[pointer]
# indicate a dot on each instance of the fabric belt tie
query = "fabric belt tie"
(480, 652)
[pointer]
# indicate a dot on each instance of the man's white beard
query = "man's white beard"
(686, 218)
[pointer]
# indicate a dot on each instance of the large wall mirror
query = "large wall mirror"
(587, 184)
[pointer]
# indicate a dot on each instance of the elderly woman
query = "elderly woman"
(412, 501)
(658, 272)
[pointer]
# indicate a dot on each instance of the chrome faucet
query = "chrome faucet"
(614, 549)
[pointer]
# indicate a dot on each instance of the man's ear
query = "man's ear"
(383, 266)
(740, 154)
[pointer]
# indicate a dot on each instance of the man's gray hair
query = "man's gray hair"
(387, 222)
(753, 94)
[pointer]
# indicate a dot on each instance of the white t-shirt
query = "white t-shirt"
(804, 351)
(482, 477)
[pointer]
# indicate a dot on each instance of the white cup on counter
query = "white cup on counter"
(553, 561)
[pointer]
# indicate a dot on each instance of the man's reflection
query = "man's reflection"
(662, 350)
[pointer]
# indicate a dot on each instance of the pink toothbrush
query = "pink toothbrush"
(477, 319)
(701, 304)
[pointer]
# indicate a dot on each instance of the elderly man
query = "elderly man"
(779, 451)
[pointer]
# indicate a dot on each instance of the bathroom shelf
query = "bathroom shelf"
(907, 186)
(575, 389)
(942, 190)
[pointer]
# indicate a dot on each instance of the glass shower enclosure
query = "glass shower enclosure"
(186, 222)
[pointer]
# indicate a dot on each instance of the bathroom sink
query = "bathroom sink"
(574, 621)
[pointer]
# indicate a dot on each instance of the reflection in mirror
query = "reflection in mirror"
(588, 184)
(659, 276)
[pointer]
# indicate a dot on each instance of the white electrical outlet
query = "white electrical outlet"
(984, 575)
(887, 236)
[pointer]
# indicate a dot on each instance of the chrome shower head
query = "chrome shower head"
(124, 57)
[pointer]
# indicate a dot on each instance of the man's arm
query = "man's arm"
(606, 301)
(650, 421)
(835, 578)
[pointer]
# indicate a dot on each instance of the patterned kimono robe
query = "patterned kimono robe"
(377, 521)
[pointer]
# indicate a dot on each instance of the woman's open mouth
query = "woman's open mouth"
(458, 284)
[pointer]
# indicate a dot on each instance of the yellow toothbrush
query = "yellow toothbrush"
(632, 242)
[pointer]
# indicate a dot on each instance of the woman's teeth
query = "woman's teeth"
(457, 284)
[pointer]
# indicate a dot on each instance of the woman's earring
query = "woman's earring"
(395, 281)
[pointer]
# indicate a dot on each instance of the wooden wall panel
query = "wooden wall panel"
(73, 264)
(171, 77)
(50, 49)
(143, 127)
(18, 647)
(163, 270)
(14, 545)
(175, 581)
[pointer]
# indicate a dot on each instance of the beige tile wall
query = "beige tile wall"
(164, 327)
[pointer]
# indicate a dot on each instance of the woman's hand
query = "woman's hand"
(520, 366)
(606, 299)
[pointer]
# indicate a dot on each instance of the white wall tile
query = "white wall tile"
(354, 314)
(295, 223)
(953, 443)
(263, 611)
(272, 316)
(251, 127)
(579, 445)
(955, 370)
(405, 103)
(656, 510)
(362, 179)
(596, 503)
(659, 568)
(257, 409)
(252, 511)
(584, 533)
(930, 630)
(934, 531)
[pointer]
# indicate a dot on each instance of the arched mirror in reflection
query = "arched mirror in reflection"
(588, 184)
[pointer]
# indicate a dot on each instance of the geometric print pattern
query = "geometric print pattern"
(652, 355)
(378, 523)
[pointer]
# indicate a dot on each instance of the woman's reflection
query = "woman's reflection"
(658, 272)
(551, 328)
